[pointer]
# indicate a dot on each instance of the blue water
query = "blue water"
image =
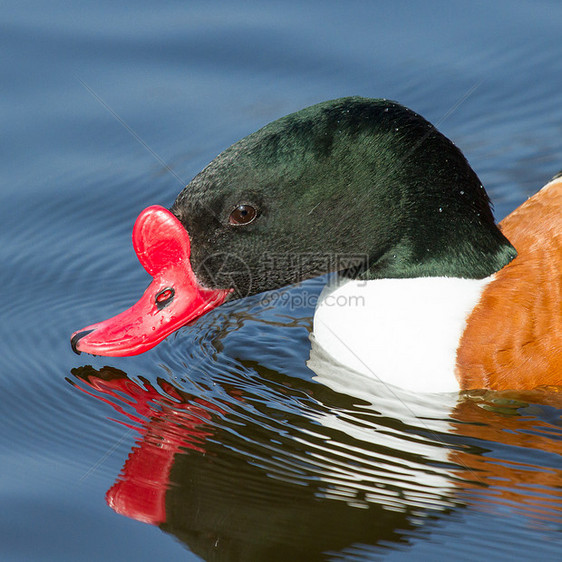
(220, 444)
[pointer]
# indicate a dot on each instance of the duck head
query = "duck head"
(365, 187)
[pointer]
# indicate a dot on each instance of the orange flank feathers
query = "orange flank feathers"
(513, 338)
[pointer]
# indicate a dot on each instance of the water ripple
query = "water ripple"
(250, 434)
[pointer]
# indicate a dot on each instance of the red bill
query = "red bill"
(174, 298)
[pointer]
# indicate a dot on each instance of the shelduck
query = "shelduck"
(431, 294)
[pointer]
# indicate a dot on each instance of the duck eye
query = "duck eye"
(164, 297)
(243, 214)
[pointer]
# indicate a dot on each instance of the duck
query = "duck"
(427, 292)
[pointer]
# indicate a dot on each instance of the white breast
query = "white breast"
(404, 332)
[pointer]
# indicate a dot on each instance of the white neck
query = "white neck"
(404, 332)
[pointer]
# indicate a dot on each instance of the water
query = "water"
(221, 444)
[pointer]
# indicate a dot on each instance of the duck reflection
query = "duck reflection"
(296, 469)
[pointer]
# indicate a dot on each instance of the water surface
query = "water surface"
(222, 443)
